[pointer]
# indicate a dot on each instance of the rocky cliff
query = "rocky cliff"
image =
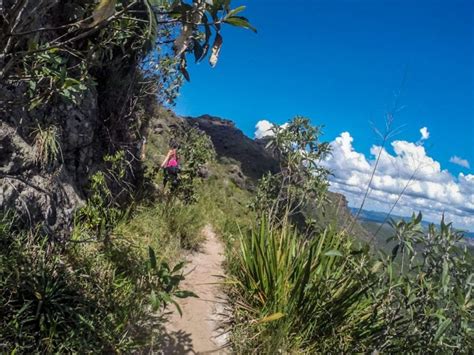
(254, 161)
(63, 107)
(231, 143)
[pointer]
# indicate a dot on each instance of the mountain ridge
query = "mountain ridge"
(379, 217)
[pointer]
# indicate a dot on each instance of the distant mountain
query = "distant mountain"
(379, 217)
(234, 147)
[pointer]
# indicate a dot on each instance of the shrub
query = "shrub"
(300, 179)
(320, 295)
(196, 150)
(41, 307)
(81, 297)
(299, 294)
(47, 146)
(423, 293)
(102, 211)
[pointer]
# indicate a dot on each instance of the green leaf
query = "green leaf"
(198, 50)
(235, 11)
(152, 256)
(216, 48)
(104, 10)
(178, 308)
(333, 253)
(442, 329)
(271, 318)
(183, 68)
(445, 276)
(240, 21)
(185, 294)
(418, 218)
(395, 251)
(178, 267)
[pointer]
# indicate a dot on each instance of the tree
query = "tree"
(301, 180)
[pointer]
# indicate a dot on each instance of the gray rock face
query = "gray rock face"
(237, 177)
(45, 182)
(40, 193)
(47, 193)
(231, 143)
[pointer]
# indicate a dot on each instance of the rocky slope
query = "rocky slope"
(254, 160)
(230, 143)
(62, 109)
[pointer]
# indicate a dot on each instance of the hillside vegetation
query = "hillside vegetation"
(93, 245)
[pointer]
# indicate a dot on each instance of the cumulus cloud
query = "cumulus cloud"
(459, 161)
(425, 134)
(428, 188)
(263, 128)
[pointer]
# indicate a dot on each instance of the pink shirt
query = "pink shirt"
(173, 161)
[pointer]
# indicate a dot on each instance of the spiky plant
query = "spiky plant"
(46, 145)
(301, 292)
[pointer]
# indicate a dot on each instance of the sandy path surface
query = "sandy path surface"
(197, 331)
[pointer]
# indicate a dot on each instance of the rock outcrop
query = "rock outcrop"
(232, 144)
(48, 191)
(62, 109)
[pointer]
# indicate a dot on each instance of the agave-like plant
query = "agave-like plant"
(47, 146)
(302, 294)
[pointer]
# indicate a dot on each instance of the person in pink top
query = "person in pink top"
(171, 166)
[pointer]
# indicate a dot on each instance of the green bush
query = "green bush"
(81, 297)
(297, 294)
(300, 180)
(321, 295)
(167, 227)
(423, 293)
(42, 309)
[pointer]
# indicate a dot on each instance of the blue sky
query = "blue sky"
(340, 63)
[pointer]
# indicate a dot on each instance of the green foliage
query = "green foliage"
(309, 290)
(50, 79)
(42, 309)
(59, 62)
(98, 216)
(196, 150)
(224, 205)
(47, 146)
(426, 288)
(300, 179)
(297, 294)
(167, 227)
(321, 295)
(198, 20)
(101, 212)
(168, 280)
(82, 297)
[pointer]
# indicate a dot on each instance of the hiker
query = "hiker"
(171, 166)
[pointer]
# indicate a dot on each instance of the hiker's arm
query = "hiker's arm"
(166, 159)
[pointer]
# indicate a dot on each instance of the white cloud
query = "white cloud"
(427, 186)
(425, 134)
(263, 128)
(459, 161)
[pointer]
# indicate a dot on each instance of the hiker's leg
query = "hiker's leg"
(166, 177)
(174, 181)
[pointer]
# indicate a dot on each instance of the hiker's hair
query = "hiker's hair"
(173, 144)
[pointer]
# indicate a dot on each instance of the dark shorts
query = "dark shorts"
(171, 175)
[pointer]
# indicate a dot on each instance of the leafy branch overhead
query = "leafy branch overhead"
(192, 27)
(197, 19)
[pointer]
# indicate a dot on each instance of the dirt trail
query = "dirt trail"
(197, 331)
